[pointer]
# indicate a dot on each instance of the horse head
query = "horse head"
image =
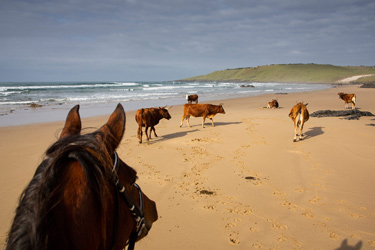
(83, 196)
(109, 137)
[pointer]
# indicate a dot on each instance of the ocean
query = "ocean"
(100, 98)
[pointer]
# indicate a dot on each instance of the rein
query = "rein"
(135, 209)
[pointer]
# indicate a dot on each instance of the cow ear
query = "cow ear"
(72, 123)
(306, 104)
(111, 133)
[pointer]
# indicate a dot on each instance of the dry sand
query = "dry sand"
(243, 184)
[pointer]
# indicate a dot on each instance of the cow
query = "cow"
(192, 98)
(148, 118)
(348, 98)
(274, 104)
(299, 114)
(201, 110)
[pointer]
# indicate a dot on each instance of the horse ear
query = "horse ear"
(72, 123)
(112, 132)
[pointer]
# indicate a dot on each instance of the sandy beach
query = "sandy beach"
(243, 184)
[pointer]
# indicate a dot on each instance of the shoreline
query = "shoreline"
(265, 191)
(24, 115)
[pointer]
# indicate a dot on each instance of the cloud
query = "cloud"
(172, 39)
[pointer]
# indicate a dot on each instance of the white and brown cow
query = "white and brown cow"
(299, 114)
(192, 98)
(348, 98)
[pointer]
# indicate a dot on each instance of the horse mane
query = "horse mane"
(35, 221)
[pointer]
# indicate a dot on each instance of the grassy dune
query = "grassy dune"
(298, 73)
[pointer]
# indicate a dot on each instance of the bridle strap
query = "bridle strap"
(135, 210)
(115, 220)
(133, 238)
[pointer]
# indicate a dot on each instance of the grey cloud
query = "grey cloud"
(171, 39)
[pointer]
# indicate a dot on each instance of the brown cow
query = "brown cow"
(201, 110)
(348, 98)
(192, 98)
(274, 104)
(299, 114)
(150, 117)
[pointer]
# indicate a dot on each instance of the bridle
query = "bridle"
(135, 209)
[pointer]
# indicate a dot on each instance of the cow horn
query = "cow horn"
(221, 104)
(169, 107)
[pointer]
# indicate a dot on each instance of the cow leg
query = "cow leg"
(295, 129)
(300, 130)
(187, 120)
(149, 134)
(182, 120)
(140, 134)
(212, 121)
(353, 106)
(153, 128)
(204, 120)
(146, 129)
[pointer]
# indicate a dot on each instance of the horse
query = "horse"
(82, 195)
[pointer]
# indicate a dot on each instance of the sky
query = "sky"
(149, 40)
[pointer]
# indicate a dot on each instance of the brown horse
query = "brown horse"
(82, 195)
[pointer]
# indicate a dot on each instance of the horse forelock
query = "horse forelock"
(96, 164)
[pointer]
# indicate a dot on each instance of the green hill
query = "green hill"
(291, 73)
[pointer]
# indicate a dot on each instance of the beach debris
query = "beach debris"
(368, 85)
(251, 178)
(207, 192)
(247, 86)
(35, 105)
(352, 114)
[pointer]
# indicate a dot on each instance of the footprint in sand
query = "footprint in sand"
(257, 245)
(233, 238)
(315, 199)
(210, 207)
(308, 214)
(334, 236)
(277, 225)
(289, 205)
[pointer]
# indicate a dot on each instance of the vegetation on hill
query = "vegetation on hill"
(291, 73)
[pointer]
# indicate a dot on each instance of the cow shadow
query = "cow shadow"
(170, 136)
(208, 124)
(371, 124)
(177, 134)
(345, 246)
(226, 123)
(315, 131)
